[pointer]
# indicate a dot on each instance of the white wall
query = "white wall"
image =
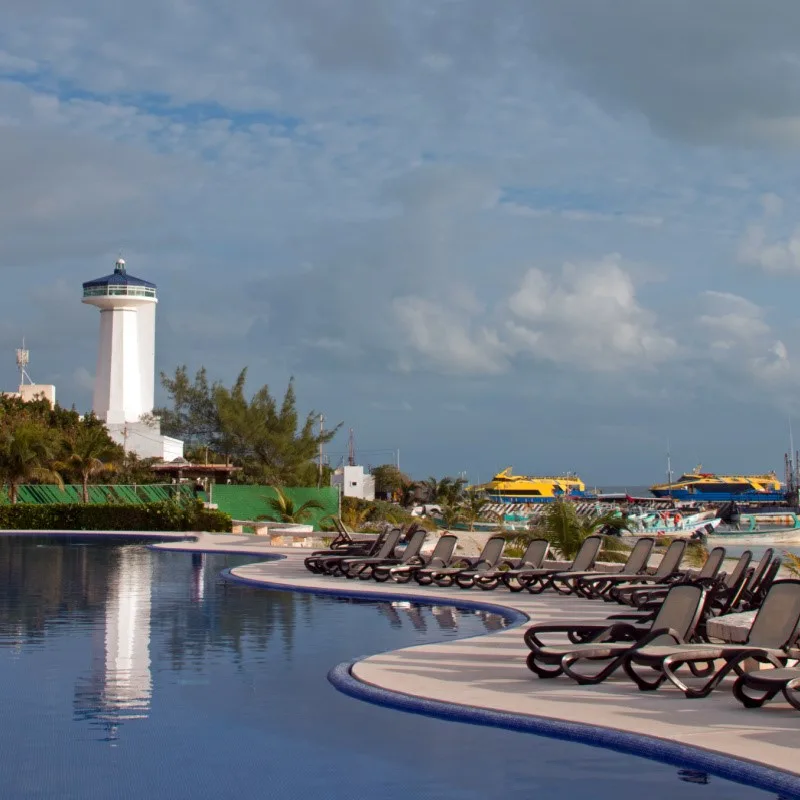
(354, 483)
(145, 440)
(147, 356)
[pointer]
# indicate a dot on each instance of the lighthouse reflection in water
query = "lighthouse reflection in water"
(120, 686)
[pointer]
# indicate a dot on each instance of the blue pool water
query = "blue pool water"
(132, 673)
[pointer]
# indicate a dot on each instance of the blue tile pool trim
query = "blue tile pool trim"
(679, 755)
(665, 751)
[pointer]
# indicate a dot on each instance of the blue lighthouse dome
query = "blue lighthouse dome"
(119, 282)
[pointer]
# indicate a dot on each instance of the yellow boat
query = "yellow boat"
(697, 485)
(508, 488)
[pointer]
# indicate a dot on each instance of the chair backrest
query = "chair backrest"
(712, 564)
(680, 611)
(586, 556)
(770, 575)
(761, 570)
(535, 554)
(637, 558)
(491, 553)
(775, 625)
(389, 543)
(443, 552)
(414, 546)
(731, 596)
(741, 565)
(377, 544)
(671, 560)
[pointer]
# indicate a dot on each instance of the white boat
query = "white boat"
(672, 523)
(786, 536)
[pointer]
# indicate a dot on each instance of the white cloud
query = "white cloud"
(582, 215)
(588, 316)
(761, 247)
(445, 338)
(740, 340)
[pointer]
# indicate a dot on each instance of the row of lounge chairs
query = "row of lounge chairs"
(661, 630)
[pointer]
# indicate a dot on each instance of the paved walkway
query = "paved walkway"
(489, 672)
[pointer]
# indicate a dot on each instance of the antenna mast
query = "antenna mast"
(669, 469)
(23, 359)
(351, 449)
(321, 431)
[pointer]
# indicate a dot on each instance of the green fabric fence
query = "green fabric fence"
(241, 502)
(248, 502)
(100, 494)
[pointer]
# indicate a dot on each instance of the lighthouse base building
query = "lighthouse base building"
(124, 381)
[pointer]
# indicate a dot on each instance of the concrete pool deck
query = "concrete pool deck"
(487, 675)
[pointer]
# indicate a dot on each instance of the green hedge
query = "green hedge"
(162, 516)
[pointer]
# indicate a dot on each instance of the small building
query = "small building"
(354, 482)
(28, 392)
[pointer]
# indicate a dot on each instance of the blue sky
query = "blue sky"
(551, 235)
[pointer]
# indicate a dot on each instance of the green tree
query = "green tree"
(193, 415)
(87, 453)
(451, 514)
(389, 480)
(284, 509)
(269, 441)
(445, 490)
(472, 504)
(28, 451)
(566, 530)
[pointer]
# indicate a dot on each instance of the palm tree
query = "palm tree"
(566, 530)
(89, 452)
(447, 490)
(472, 504)
(27, 453)
(451, 513)
(284, 510)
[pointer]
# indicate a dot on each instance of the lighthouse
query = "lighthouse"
(124, 380)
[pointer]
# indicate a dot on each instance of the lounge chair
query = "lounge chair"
(333, 565)
(537, 580)
(363, 567)
(612, 639)
(602, 585)
(772, 634)
(771, 637)
(768, 683)
(760, 583)
(638, 595)
(674, 625)
(568, 582)
(533, 558)
(489, 560)
(403, 573)
(314, 562)
(445, 576)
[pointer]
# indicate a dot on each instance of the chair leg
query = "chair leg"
(748, 700)
(790, 692)
(586, 680)
(643, 684)
(534, 666)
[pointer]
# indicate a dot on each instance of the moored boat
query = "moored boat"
(672, 523)
(508, 488)
(710, 487)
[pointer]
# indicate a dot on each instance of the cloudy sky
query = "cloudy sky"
(547, 234)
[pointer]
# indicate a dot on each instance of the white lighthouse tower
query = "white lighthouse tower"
(124, 380)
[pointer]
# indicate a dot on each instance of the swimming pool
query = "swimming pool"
(137, 673)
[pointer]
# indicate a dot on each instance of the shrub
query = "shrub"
(162, 516)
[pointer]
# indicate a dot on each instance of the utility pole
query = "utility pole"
(321, 429)
(351, 450)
